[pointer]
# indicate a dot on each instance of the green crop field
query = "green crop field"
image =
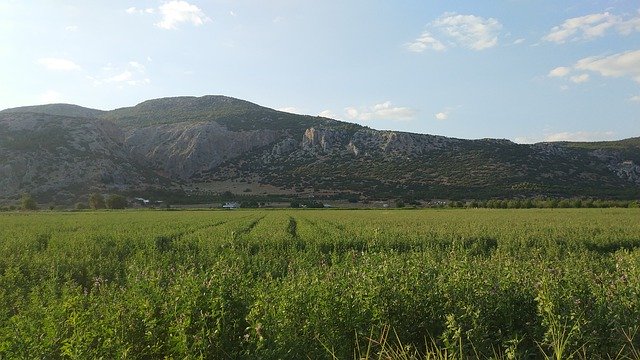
(297, 284)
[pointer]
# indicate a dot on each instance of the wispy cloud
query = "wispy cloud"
(567, 136)
(579, 136)
(443, 115)
(382, 111)
(173, 13)
(71, 28)
(135, 10)
(468, 31)
(176, 12)
(635, 98)
(131, 74)
(50, 96)
(560, 71)
(58, 64)
(424, 42)
(592, 26)
(625, 64)
(579, 79)
(328, 114)
(290, 109)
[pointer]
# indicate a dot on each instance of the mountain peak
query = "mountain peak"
(58, 110)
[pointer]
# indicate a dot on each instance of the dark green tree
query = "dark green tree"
(115, 201)
(27, 202)
(96, 201)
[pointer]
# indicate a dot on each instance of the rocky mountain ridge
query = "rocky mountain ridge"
(62, 152)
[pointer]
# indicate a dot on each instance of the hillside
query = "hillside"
(202, 144)
(59, 158)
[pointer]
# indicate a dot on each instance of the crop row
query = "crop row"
(313, 283)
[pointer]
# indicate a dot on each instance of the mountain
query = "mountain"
(58, 109)
(213, 144)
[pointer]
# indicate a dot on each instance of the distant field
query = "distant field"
(296, 284)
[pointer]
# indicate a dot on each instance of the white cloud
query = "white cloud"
(134, 10)
(616, 65)
(579, 136)
(468, 31)
(50, 97)
(518, 41)
(591, 26)
(567, 136)
(585, 27)
(137, 66)
(71, 28)
(443, 115)
(132, 74)
(559, 71)
(635, 98)
(579, 79)
(630, 26)
(328, 114)
(382, 111)
(177, 11)
(626, 64)
(524, 140)
(424, 42)
(352, 113)
(58, 64)
(290, 109)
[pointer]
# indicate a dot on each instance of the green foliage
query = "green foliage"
(96, 201)
(115, 201)
(27, 202)
(287, 284)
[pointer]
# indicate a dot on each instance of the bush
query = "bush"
(27, 202)
(116, 202)
(96, 201)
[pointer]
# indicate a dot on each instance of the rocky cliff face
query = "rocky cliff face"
(63, 156)
(368, 141)
(184, 149)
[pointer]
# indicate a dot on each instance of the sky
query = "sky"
(524, 70)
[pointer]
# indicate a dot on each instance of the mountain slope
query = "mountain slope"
(66, 149)
(61, 157)
(58, 109)
(394, 164)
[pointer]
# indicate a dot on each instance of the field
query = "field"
(296, 284)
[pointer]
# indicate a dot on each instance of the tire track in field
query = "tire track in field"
(164, 243)
(247, 229)
(292, 228)
(317, 228)
(198, 228)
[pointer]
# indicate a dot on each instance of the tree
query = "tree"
(115, 201)
(96, 201)
(27, 202)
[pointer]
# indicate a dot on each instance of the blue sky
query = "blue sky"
(525, 70)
